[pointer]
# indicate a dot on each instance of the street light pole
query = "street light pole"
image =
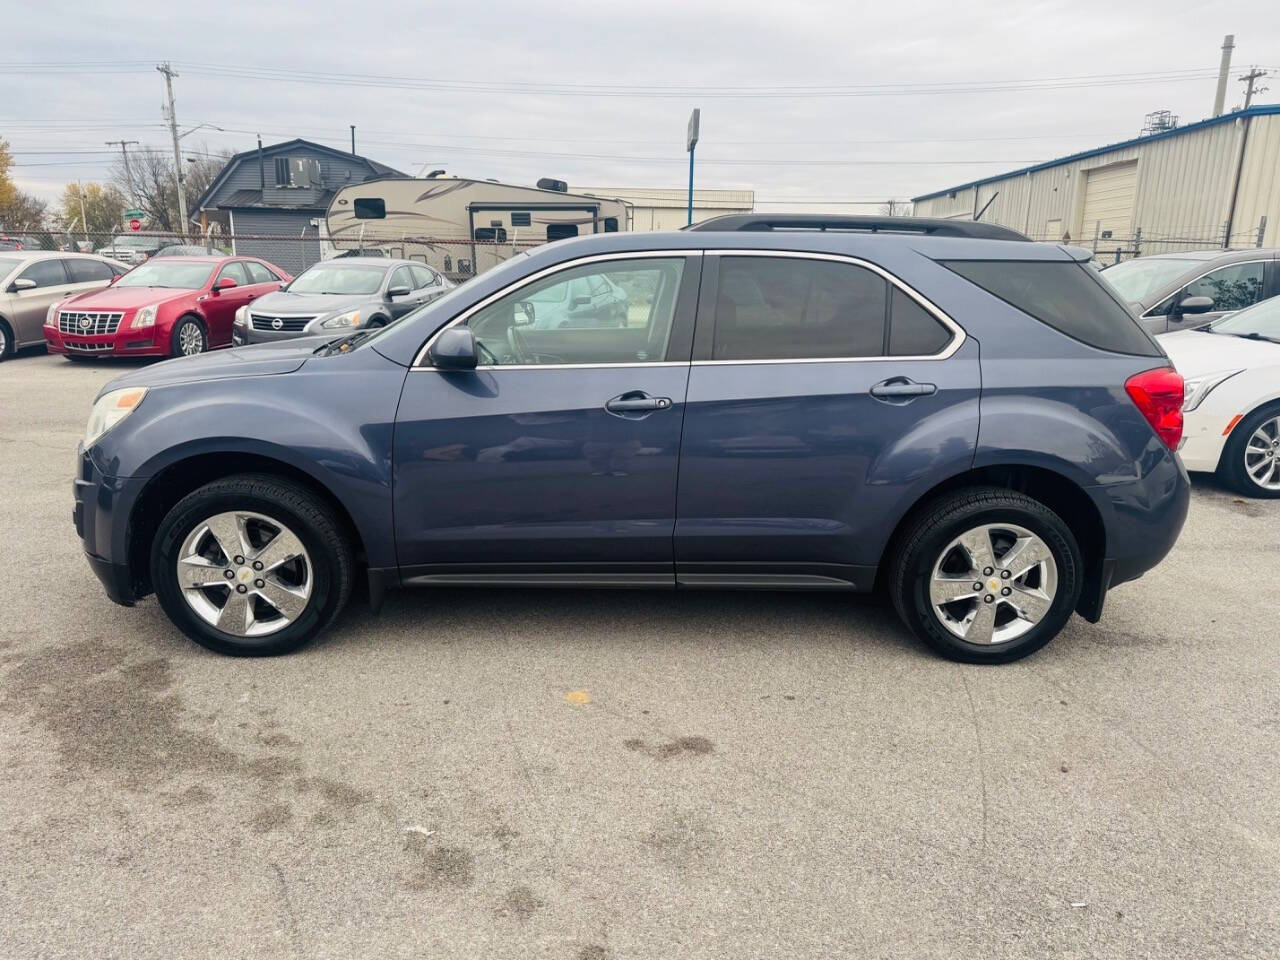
(692, 141)
(169, 74)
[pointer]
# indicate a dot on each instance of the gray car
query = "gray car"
(1179, 291)
(33, 281)
(337, 295)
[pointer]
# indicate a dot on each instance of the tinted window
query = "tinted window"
(790, 308)
(1231, 288)
(422, 277)
(550, 322)
(88, 271)
(913, 331)
(559, 231)
(370, 208)
(235, 270)
(46, 273)
(610, 224)
(1066, 296)
(491, 234)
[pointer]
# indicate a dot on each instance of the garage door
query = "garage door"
(1108, 203)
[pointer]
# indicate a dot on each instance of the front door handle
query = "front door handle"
(636, 404)
(901, 390)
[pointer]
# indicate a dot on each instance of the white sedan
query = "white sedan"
(1232, 407)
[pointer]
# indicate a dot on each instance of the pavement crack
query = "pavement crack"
(982, 763)
(291, 921)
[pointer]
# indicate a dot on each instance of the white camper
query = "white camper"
(463, 227)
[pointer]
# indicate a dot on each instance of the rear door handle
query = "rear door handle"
(901, 390)
(636, 402)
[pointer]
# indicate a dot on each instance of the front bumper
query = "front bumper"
(101, 514)
(124, 342)
(1204, 434)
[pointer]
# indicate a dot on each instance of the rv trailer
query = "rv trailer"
(463, 227)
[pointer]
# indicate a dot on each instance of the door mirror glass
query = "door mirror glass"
(398, 291)
(454, 349)
(1195, 305)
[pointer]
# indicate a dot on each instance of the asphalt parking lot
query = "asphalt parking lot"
(629, 775)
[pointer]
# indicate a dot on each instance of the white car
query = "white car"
(1232, 407)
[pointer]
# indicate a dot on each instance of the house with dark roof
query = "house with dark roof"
(272, 198)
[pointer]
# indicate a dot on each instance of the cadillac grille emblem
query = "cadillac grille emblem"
(86, 323)
(277, 324)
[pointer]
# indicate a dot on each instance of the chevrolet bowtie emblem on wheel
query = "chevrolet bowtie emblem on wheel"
(277, 324)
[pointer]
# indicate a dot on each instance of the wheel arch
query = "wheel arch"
(1056, 491)
(13, 336)
(183, 476)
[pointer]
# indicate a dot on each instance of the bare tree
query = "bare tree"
(895, 208)
(150, 184)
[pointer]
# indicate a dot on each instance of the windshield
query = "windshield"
(8, 263)
(1262, 320)
(168, 273)
(1137, 281)
(327, 278)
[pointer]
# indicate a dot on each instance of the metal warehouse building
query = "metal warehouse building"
(1213, 183)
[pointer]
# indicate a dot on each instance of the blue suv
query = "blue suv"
(969, 421)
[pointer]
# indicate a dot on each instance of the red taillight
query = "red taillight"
(1158, 395)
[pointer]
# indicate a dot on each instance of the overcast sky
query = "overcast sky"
(800, 100)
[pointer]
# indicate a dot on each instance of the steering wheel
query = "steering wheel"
(518, 345)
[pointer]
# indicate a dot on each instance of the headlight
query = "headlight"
(109, 410)
(146, 317)
(349, 319)
(242, 316)
(51, 315)
(1197, 388)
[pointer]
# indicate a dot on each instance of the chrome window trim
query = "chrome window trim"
(958, 335)
(1148, 315)
(419, 360)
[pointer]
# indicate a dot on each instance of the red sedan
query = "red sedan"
(175, 306)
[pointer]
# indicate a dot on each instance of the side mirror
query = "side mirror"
(1195, 305)
(114, 278)
(454, 349)
(525, 307)
(224, 283)
(22, 283)
(579, 302)
(398, 291)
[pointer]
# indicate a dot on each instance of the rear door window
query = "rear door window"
(913, 330)
(1064, 295)
(88, 271)
(258, 273)
(790, 308)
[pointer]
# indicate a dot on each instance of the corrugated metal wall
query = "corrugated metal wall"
(1181, 201)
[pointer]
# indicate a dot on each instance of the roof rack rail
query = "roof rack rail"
(925, 226)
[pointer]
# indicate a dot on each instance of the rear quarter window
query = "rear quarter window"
(1064, 295)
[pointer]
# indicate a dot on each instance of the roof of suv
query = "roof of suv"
(919, 226)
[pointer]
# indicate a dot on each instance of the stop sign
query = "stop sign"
(135, 225)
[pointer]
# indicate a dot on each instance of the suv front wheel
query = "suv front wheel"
(251, 565)
(986, 575)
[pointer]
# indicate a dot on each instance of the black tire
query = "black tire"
(1231, 469)
(175, 339)
(8, 346)
(926, 537)
(310, 519)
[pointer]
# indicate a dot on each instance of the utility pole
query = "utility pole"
(169, 74)
(1224, 71)
(128, 174)
(1250, 80)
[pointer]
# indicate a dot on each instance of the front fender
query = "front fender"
(332, 421)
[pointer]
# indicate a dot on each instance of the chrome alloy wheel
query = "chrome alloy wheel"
(245, 574)
(190, 340)
(1262, 455)
(993, 583)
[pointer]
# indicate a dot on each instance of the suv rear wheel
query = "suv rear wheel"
(986, 575)
(251, 565)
